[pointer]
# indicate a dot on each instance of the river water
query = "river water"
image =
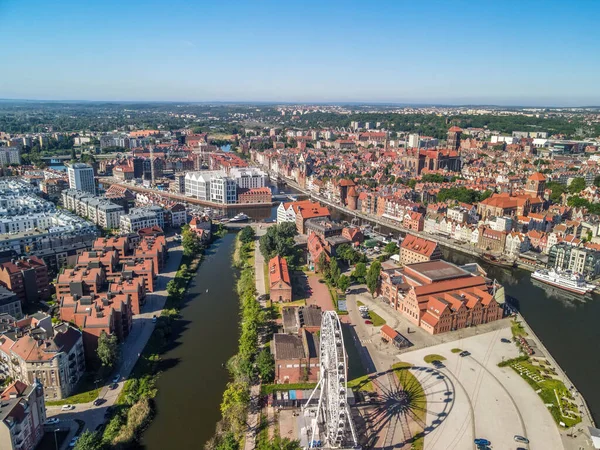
(191, 387)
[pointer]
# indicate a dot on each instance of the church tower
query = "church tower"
(454, 135)
(536, 185)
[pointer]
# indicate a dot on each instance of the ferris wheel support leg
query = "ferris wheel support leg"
(351, 426)
(312, 439)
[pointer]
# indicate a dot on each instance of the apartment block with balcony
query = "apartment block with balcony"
(27, 278)
(22, 416)
(34, 350)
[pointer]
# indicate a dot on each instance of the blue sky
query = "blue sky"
(480, 51)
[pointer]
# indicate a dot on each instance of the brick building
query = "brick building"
(414, 221)
(439, 296)
(309, 211)
(279, 280)
(296, 357)
(26, 277)
(414, 249)
(255, 195)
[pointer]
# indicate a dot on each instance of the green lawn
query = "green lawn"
(417, 397)
(456, 350)
(359, 303)
(434, 357)
(267, 283)
(270, 388)
(517, 329)
(361, 383)
(547, 388)
(82, 397)
(376, 319)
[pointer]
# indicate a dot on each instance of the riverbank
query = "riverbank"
(235, 405)
(587, 420)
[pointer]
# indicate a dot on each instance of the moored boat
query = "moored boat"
(567, 280)
(241, 217)
(488, 257)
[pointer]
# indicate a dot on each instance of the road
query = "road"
(253, 419)
(142, 328)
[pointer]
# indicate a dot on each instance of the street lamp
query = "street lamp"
(55, 441)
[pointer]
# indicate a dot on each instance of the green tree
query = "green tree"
(73, 154)
(557, 191)
(279, 240)
(373, 277)
(390, 248)
(597, 181)
(108, 350)
(334, 271)
(412, 183)
(322, 265)
(345, 253)
(343, 283)
(360, 272)
(192, 245)
(279, 444)
(227, 442)
(265, 365)
(577, 185)
(234, 405)
(247, 234)
(89, 440)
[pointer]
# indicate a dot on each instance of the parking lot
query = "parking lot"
(489, 402)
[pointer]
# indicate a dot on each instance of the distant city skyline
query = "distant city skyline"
(426, 53)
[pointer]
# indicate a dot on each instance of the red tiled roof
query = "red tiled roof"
(419, 245)
(278, 270)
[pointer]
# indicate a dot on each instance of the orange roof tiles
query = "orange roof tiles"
(278, 270)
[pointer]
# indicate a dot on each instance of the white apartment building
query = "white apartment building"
(502, 224)
(285, 214)
(145, 217)
(249, 178)
(460, 215)
(81, 177)
(223, 190)
(197, 184)
(9, 155)
(100, 211)
(211, 185)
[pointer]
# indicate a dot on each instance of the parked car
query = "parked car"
(113, 386)
(464, 353)
(506, 341)
(154, 318)
(480, 441)
(52, 421)
(73, 442)
(67, 407)
(99, 401)
(368, 322)
(521, 439)
(116, 378)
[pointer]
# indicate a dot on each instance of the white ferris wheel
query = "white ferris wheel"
(333, 419)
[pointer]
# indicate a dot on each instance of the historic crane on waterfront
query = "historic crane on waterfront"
(333, 421)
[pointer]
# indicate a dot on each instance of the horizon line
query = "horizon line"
(291, 102)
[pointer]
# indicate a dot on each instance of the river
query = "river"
(191, 387)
